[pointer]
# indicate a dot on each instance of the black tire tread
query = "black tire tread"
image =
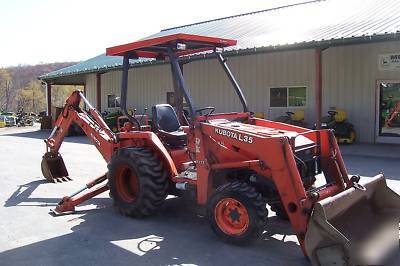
(257, 201)
(152, 177)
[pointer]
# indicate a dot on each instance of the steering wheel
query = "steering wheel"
(332, 113)
(210, 108)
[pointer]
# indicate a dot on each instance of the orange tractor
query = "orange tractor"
(234, 164)
(393, 115)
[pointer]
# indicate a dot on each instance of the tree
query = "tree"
(32, 97)
(60, 93)
(6, 90)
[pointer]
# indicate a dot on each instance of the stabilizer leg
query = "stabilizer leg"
(68, 203)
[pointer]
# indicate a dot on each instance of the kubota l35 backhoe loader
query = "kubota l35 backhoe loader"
(233, 163)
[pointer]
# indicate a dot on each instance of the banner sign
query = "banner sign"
(389, 61)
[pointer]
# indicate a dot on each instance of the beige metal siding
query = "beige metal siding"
(146, 86)
(90, 88)
(149, 86)
(208, 84)
(256, 74)
(350, 75)
(110, 83)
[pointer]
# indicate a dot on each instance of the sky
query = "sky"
(46, 31)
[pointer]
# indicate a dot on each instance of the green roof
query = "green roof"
(95, 64)
(279, 28)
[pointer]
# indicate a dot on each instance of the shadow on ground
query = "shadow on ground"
(21, 196)
(176, 235)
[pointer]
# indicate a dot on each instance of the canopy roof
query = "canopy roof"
(157, 47)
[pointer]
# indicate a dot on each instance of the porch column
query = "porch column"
(48, 102)
(179, 99)
(318, 87)
(98, 92)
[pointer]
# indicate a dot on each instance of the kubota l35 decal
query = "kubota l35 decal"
(234, 135)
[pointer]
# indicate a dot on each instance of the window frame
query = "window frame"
(287, 97)
(115, 101)
(171, 98)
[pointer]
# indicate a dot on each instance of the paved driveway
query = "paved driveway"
(97, 235)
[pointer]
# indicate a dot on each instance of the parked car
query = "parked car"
(11, 118)
(11, 121)
(9, 114)
(2, 121)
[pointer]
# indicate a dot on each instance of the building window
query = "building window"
(278, 97)
(171, 98)
(288, 97)
(112, 101)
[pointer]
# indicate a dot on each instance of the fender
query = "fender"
(150, 139)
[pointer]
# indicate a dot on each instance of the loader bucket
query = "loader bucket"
(53, 168)
(359, 226)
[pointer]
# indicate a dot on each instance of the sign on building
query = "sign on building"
(389, 61)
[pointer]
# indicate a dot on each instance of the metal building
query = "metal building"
(342, 54)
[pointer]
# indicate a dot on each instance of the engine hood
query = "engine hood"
(300, 140)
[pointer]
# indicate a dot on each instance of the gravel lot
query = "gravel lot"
(98, 235)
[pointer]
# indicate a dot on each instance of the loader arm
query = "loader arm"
(89, 121)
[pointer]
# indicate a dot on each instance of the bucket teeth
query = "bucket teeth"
(62, 179)
(53, 168)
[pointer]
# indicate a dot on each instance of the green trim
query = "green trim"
(240, 52)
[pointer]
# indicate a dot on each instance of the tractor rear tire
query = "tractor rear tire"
(138, 181)
(237, 213)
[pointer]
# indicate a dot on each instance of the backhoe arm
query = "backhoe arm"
(53, 167)
(90, 122)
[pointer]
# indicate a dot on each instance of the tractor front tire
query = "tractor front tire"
(138, 181)
(237, 213)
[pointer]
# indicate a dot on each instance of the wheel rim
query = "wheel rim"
(127, 183)
(231, 216)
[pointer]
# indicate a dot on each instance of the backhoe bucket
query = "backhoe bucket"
(359, 226)
(53, 168)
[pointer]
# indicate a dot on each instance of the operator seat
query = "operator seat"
(167, 126)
